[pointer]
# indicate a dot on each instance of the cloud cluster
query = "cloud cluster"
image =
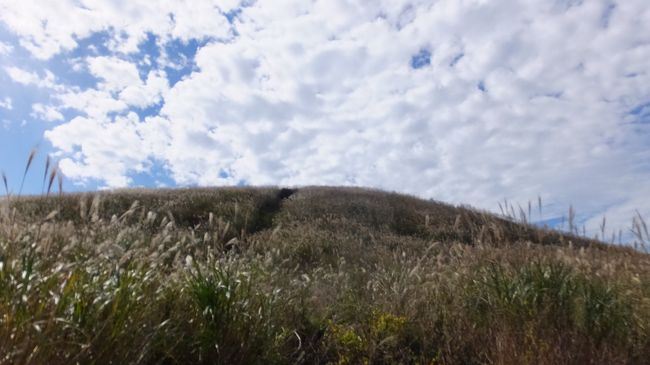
(46, 29)
(32, 78)
(5, 48)
(6, 103)
(510, 98)
(46, 112)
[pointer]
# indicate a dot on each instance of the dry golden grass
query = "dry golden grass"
(319, 275)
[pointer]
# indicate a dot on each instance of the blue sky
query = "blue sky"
(463, 101)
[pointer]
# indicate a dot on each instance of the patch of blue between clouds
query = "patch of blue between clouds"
(607, 14)
(561, 223)
(151, 110)
(226, 173)
(147, 49)
(182, 54)
(232, 14)
(456, 59)
(555, 222)
(92, 45)
(157, 175)
(421, 59)
(641, 113)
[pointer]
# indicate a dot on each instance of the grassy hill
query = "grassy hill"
(307, 276)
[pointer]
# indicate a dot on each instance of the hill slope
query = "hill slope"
(313, 275)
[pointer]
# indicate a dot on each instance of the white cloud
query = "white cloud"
(520, 97)
(5, 48)
(120, 87)
(21, 76)
(146, 93)
(91, 102)
(6, 103)
(31, 78)
(107, 156)
(46, 112)
(116, 74)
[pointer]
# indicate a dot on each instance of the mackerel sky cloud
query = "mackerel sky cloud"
(464, 101)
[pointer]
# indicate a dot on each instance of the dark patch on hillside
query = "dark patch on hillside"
(269, 209)
(285, 193)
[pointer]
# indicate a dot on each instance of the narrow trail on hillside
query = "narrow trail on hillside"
(270, 208)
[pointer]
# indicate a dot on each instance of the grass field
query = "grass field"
(307, 276)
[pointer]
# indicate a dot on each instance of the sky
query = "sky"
(463, 101)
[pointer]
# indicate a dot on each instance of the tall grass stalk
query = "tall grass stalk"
(48, 162)
(6, 185)
(53, 174)
(30, 159)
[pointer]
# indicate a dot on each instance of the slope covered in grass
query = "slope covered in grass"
(313, 275)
